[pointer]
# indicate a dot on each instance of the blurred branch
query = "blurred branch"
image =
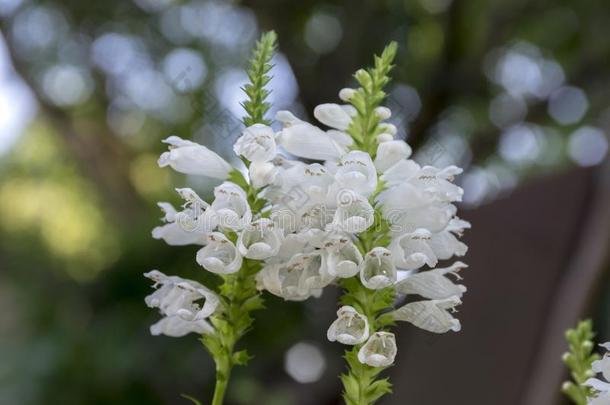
(99, 154)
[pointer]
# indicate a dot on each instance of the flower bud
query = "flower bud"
(220, 255)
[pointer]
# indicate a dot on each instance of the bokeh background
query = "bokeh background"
(516, 92)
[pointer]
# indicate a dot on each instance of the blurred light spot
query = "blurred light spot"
(568, 105)
(426, 39)
(476, 186)
(153, 5)
(520, 143)
(171, 26)
(552, 77)
(305, 363)
(506, 110)
(67, 85)
(148, 90)
(323, 32)
(69, 224)
(117, 54)
(218, 22)
(523, 71)
(405, 104)
(38, 27)
(588, 146)
(147, 177)
(7, 7)
(17, 105)
(185, 69)
(228, 89)
(435, 6)
(125, 121)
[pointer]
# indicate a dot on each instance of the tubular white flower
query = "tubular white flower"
(257, 143)
(354, 213)
(175, 326)
(173, 233)
(260, 240)
(432, 315)
(262, 174)
(197, 215)
(408, 208)
(231, 206)
(334, 115)
(350, 327)
(356, 171)
(383, 138)
(412, 250)
(377, 269)
(177, 296)
(343, 258)
(379, 351)
(191, 158)
(220, 255)
(445, 244)
(307, 141)
(434, 284)
(391, 152)
(177, 299)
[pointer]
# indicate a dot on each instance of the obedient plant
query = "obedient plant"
(358, 214)
(585, 389)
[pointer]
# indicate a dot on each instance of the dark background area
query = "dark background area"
(516, 92)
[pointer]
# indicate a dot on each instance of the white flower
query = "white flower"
(433, 284)
(408, 208)
(305, 140)
(262, 173)
(175, 326)
(231, 206)
(343, 258)
(356, 171)
(412, 250)
(191, 158)
(434, 181)
(602, 388)
(178, 300)
(334, 115)
(379, 351)
(354, 213)
(260, 240)
(432, 315)
(174, 233)
(257, 144)
(197, 215)
(350, 327)
(445, 244)
(220, 255)
(391, 152)
(296, 272)
(377, 269)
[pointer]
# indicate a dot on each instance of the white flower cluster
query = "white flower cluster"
(307, 234)
(602, 388)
